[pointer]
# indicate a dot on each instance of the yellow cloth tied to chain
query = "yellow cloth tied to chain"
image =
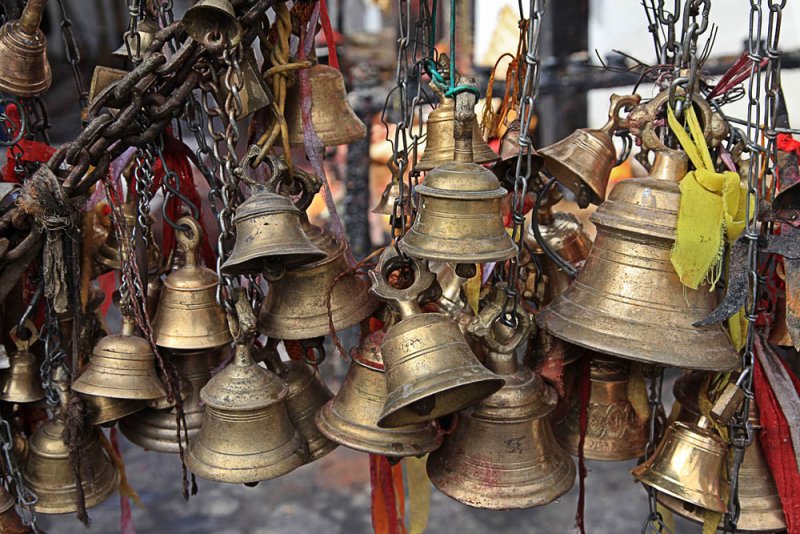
(713, 205)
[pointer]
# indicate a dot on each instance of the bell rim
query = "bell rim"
(220, 339)
(749, 521)
(460, 256)
(466, 196)
(253, 263)
(84, 385)
(245, 474)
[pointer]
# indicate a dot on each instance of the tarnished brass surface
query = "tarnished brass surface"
(307, 395)
(104, 410)
(22, 382)
(212, 23)
(390, 194)
(24, 69)
(506, 168)
(146, 28)
(627, 301)
(110, 254)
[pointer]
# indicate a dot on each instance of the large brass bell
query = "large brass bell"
(351, 417)
(213, 24)
(334, 120)
(22, 382)
(430, 369)
(614, 431)
(123, 366)
(269, 234)
(502, 453)
(156, 429)
(627, 301)
(48, 472)
(296, 306)
(188, 315)
(24, 70)
(583, 160)
(147, 29)
(460, 215)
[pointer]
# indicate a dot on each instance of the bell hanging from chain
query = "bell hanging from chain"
(506, 168)
(430, 369)
(296, 306)
(508, 434)
(583, 160)
(334, 120)
(627, 301)
(156, 429)
(351, 417)
(110, 254)
(146, 29)
(188, 315)
(460, 216)
(10, 520)
(24, 70)
(392, 192)
(213, 24)
(614, 431)
(22, 382)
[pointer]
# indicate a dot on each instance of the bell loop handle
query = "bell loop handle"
(618, 104)
(32, 16)
(29, 335)
(313, 352)
(188, 239)
(405, 299)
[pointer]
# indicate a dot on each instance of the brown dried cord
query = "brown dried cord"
(77, 436)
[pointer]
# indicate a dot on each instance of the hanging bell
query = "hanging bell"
(583, 160)
(10, 520)
(430, 369)
(502, 453)
(48, 472)
(123, 366)
(460, 216)
(246, 435)
(391, 194)
(440, 144)
(110, 254)
(213, 24)
(627, 301)
(24, 70)
(614, 432)
(22, 382)
(188, 315)
(156, 429)
(351, 417)
(147, 29)
(105, 410)
(296, 306)
(334, 120)
(506, 168)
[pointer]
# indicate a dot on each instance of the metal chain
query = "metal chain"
(73, 55)
(654, 522)
(132, 37)
(55, 356)
(529, 95)
(14, 482)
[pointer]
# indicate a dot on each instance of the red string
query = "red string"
(125, 516)
(584, 390)
(32, 151)
(325, 20)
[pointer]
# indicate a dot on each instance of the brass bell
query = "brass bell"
(188, 315)
(123, 366)
(627, 301)
(430, 369)
(688, 465)
(334, 120)
(147, 29)
(460, 215)
(105, 410)
(296, 306)
(502, 453)
(583, 160)
(110, 254)
(246, 435)
(156, 429)
(351, 417)
(391, 193)
(440, 144)
(213, 24)
(10, 521)
(24, 71)
(614, 431)
(506, 168)
(48, 471)
(22, 382)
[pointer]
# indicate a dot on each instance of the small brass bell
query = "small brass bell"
(502, 453)
(110, 254)
(105, 410)
(123, 366)
(627, 301)
(213, 24)
(246, 435)
(156, 429)
(24, 70)
(583, 160)
(460, 216)
(147, 29)
(614, 431)
(188, 315)
(10, 521)
(351, 417)
(48, 471)
(506, 168)
(389, 196)
(296, 306)
(22, 382)
(430, 369)
(334, 120)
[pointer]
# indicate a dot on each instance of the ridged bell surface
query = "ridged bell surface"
(21, 382)
(307, 394)
(24, 69)
(104, 410)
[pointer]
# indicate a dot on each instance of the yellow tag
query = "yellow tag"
(666, 517)
(637, 393)
(419, 494)
(473, 290)
(711, 521)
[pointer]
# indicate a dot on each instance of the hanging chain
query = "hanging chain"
(73, 55)
(132, 37)
(529, 96)
(55, 356)
(14, 482)
(654, 522)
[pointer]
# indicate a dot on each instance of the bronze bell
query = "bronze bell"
(123, 366)
(614, 431)
(583, 160)
(147, 29)
(296, 306)
(188, 315)
(156, 429)
(440, 144)
(460, 215)
(246, 435)
(391, 194)
(105, 410)
(22, 382)
(24, 70)
(334, 120)
(506, 168)
(213, 24)
(627, 301)
(48, 472)
(10, 520)
(351, 417)
(688, 465)
(430, 369)
(502, 453)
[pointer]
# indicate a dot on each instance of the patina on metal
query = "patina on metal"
(24, 70)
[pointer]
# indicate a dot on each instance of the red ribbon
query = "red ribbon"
(325, 20)
(32, 151)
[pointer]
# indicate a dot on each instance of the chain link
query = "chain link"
(14, 482)
(73, 55)
(654, 521)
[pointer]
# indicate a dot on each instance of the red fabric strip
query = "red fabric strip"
(325, 20)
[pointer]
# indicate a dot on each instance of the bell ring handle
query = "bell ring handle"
(20, 341)
(309, 185)
(618, 104)
(495, 334)
(31, 16)
(188, 238)
(643, 119)
(404, 299)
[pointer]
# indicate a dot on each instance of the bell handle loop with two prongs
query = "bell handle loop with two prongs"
(619, 103)
(188, 239)
(464, 118)
(405, 300)
(22, 342)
